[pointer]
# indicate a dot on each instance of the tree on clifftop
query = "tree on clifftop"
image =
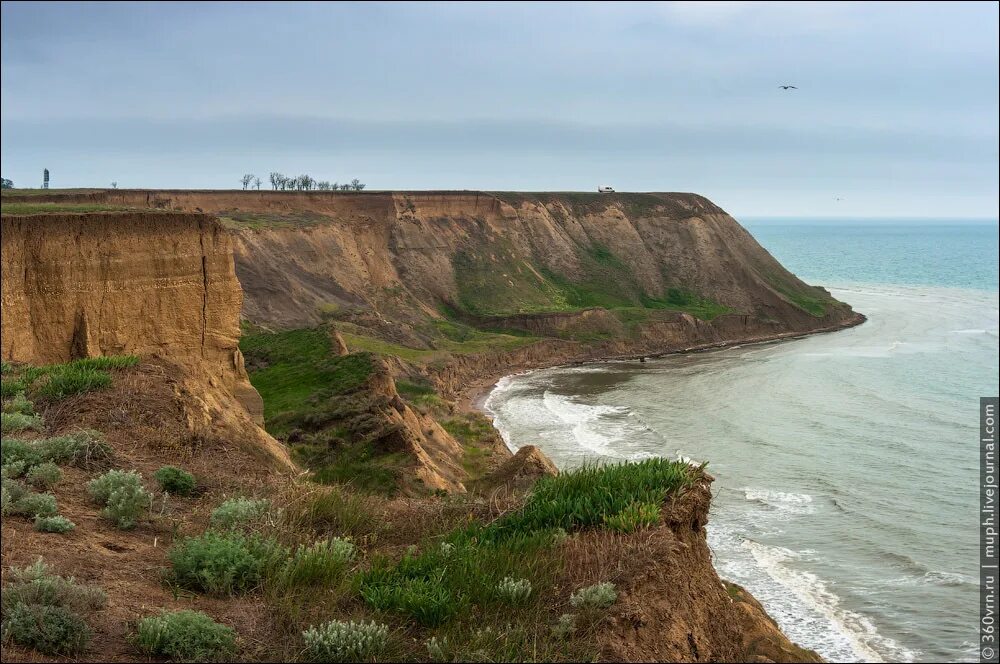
(256, 183)
(277, 181)
(357, 185)
(246, 180)
(7, 184)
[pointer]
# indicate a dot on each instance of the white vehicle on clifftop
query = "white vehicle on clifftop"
(605, 189)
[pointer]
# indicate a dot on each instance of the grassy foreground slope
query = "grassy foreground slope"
(126, 551)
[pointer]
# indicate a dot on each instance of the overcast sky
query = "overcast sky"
(896, 112)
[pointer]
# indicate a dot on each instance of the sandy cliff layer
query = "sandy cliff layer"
(159, 285)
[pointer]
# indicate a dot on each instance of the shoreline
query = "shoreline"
(473, 398)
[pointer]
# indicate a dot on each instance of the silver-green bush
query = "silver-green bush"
(187, 636)
(53, 524)
(123, 495)
(239, 513)
(44, 475)
(599, 595)
(339, 641)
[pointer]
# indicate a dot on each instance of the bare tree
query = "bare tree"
(323, 185)
(246, 180)
(357, 185)
(257, 183)
(345, 187)
(277, 180)
(114, 185)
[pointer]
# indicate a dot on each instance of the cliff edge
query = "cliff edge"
(151, 284)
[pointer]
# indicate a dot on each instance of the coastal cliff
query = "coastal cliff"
(365, 317)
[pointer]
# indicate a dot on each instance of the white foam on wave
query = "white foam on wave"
(853, 629)
(793, 503)
(585, 421)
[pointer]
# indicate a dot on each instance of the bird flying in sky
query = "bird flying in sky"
(788, 87)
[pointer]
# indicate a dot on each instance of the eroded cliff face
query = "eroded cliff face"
(672, 605)
(159, 285)
(406, 255)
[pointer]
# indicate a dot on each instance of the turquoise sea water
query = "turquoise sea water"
(846, 463)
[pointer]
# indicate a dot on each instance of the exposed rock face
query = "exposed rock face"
(436, 456)
(154, 285)
(405, 254)
(672, 605)
(523, 469)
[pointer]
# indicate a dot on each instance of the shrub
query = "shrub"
(239, 513)
(174, 480)
(438, 649)
(514, 591)
(19, 404)
(123, 495)
(44, 475)
(224, 563)
(14, 422)
(634, 517)
(565, 627)
(318, 564)
(83, 448)
(42, 610)
(53, 524)
(188, 636)
(598, 596)
(51, 630)
(11, 491)
(35, 584)
(338, 641)
(35, 504)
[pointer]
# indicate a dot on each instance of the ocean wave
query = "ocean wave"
(792, 503)
(584, 420)
(858, 631)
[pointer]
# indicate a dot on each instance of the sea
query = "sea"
(846, 464)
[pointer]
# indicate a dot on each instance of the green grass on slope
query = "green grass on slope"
(493, 284)
(290, 368)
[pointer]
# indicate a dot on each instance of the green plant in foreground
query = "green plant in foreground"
(239, 513)
(83, 448)
(339, 641)
(514, 591)
(188, 636)
(73, 380)
(53, 524)
(14, 422)
(35, 504)
(19, 404)
(123, 495)
(587, 496)
(43, 610)
(51, 630)
(317, 564)
(598, 596)
(634, 517)
(176, 481)
(224, 562)
(565, 627)
(44, 475)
